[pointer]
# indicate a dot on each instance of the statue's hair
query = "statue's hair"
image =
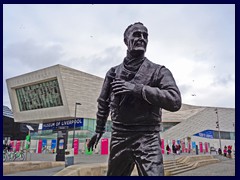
(126, 31)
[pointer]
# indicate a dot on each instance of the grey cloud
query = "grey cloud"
(97, 64)
(33, 54)
(203, 34)
(185, 89)
(223, 80)
(215, 98)
(110, 57)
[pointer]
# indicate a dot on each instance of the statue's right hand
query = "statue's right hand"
(122, 87)
(94, 141)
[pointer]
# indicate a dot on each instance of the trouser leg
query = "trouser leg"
(148, 155)
(140, 148)
(120, 161)
(120, 165)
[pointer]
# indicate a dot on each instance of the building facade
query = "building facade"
(49, 96)
(14, 130)
(214, 126)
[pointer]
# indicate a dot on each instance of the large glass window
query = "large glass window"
(224, 135)
(89, 124)
(232, 135)
(41, 95)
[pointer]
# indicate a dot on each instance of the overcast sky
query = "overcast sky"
(196, 42)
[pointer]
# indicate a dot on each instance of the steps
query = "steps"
(187, 163)
(171, 167)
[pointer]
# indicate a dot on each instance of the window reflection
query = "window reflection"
(41, 95)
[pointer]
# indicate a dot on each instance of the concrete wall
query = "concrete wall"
(83, 88)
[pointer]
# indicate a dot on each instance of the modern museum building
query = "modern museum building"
(61, 96)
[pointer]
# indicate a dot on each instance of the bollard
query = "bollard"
(69, 158)
(197, 149)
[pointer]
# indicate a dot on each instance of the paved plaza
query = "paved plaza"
(226, 167)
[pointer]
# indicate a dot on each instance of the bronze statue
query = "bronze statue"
(134, 93)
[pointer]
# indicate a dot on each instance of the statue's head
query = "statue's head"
(136, 38)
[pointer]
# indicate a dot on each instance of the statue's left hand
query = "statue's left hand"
(122, 87)
(94, 141)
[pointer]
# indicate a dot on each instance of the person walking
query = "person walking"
(225, 151)
(229, 151)
(173, 148)
(178, 149)
(168, 149)
(219, 151)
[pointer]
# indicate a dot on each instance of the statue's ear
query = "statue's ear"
(125, 41)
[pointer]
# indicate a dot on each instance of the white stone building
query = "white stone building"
(50, 94)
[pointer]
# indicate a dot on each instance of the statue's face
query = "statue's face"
(137, 39)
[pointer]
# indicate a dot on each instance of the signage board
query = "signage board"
(53, 144)
(57, 124)
(205, 134)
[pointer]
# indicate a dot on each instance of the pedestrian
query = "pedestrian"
(5, 147)
(229, 151)
(168, 149)
(134, 93)
(178, 149)
(225, 151)
(173, 148)
(219, 151)
(8, 146)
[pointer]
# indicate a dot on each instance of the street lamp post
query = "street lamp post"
(218, 126)
(75, 122)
